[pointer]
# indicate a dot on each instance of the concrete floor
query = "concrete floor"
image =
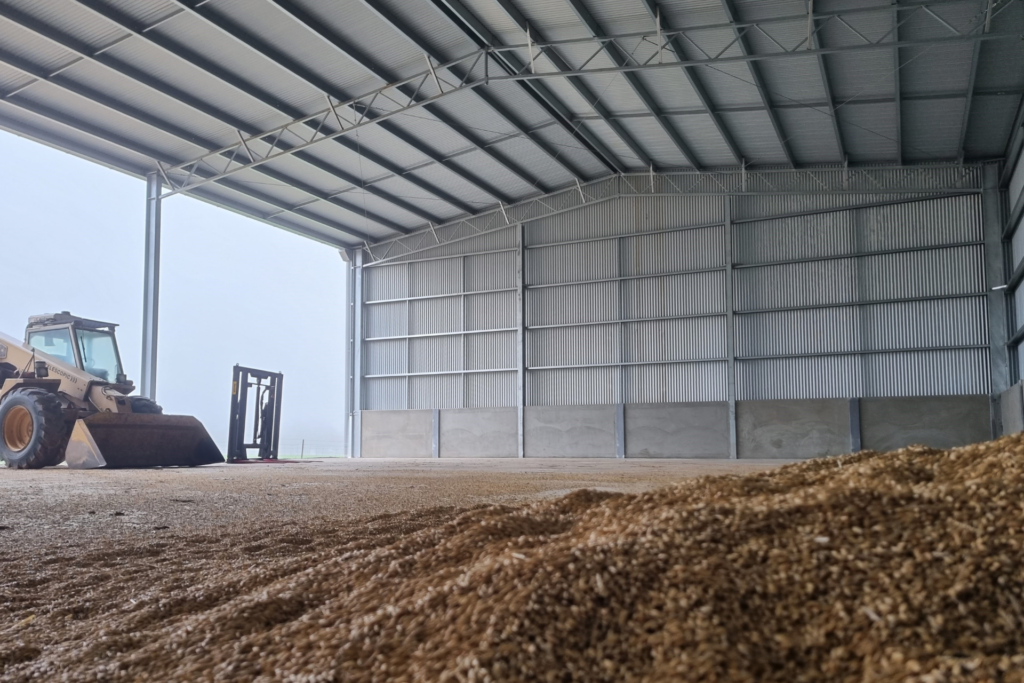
(56, 505)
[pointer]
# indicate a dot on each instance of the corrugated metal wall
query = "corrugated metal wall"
(440, 328)
(629, 301)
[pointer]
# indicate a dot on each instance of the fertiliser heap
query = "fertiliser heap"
(906, 566)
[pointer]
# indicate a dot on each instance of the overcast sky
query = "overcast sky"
(233, 290)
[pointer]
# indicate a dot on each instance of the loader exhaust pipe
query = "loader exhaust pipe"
(120, 440)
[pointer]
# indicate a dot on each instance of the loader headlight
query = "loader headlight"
(42, 372)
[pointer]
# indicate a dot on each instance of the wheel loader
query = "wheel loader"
(64, 397)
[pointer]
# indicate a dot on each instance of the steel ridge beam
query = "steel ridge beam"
(131, 146)
(617, 56)
(464, 20)
(374, 96)
(755, 73)
(83, 52)
(581, 87)
(278, 57)
(692, 78)
(127, 110)
(358, 57)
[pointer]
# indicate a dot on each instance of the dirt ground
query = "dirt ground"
(81, 551)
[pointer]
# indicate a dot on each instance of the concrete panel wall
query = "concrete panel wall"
(765, 429)
(937, 421)
(397, 433)
(1011, 405)
(569, 432)
(793, 429)
(677, 430)
(479, 433)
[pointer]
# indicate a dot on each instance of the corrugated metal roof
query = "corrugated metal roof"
(191, 83)
(869, 131)
(991, 123)
(702, 136)
(931, 129)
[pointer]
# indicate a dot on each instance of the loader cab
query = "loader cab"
(89, 345)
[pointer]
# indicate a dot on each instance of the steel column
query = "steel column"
(151, 288)
(521, 335)
(995, 276)
(730, 332)
(357, 354)
(347, 331)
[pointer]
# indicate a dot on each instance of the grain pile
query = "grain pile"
(907, 566)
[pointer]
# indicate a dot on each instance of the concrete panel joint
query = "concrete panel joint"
(435, 435)
(620, 431)
(855, 440)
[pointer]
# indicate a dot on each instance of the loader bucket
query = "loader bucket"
(119, 440)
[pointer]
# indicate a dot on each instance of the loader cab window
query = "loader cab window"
(99, 354)
(56, 343)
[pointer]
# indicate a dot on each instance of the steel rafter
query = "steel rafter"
(676, 43)
(98, 133)
(755, 74)
(826, 84)
(972, 79)
(538, 92)
(464, 20)
(122, 108)
(488, 39)
(363, 60)
(897, 90)
(141, 150)
(267, 51)
(84, 52)
(388, 101)
(620, 58)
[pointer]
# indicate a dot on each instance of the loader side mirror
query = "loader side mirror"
(42, 372)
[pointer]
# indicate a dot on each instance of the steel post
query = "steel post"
(347, 331)
(995, 276)
(151, 288)
(356, 300)
(521, 336)
(730, 390)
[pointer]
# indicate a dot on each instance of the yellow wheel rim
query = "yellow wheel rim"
(18, 428)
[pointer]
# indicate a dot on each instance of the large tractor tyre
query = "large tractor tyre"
(144, 406)
(32, 429)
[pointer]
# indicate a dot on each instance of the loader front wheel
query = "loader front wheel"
(32, 429)
(145, 406)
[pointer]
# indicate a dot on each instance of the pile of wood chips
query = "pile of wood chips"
(904, 566)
